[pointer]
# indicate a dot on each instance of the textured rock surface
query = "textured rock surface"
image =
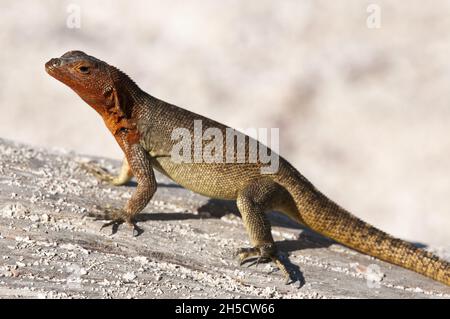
(360, 107)
(48, 249)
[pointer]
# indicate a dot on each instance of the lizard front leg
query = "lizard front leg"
(140, 165)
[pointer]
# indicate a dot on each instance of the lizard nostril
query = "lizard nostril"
(52, 63)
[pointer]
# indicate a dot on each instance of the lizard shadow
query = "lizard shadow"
(215, 208)
(133, 183)
(143, 217)
(306, 239)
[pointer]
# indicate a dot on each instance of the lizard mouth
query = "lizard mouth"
(52, 64)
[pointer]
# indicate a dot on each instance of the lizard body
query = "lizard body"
(143, 125)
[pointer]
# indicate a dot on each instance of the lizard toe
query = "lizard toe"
(115, 225)
(265, 253)
(247, 254)
(252, 256)
(116, 218)
(136, 230)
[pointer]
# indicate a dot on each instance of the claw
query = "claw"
(253, 256)
(117, 217)
(253, 262)
(115, 225)
(281, 266)
(288, 281)
(256, 261)
(136, 230)
(108, 224)
(246, 255)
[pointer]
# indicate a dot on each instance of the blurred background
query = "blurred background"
(359, 89)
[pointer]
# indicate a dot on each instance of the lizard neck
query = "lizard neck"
(128, 92)
(119, 111)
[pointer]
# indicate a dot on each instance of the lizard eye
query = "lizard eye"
(83, 69)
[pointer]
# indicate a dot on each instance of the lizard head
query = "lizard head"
(82, 73)
(95, 81)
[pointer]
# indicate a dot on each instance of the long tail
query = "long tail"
(326, 217)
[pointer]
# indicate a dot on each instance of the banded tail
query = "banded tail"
(327, 218)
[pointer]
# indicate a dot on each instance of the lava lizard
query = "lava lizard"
(142, 125)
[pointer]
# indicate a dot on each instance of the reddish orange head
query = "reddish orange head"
(89, 77)
(107, 89)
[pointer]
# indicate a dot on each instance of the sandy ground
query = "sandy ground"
(363, 113)
(50, 249)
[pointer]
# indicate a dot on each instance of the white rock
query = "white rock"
(129, 276)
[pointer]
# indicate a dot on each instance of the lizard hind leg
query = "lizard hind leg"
(253, 202)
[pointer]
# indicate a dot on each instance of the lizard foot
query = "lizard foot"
(117, 217)
(99, 172)
(251, 255)
(102, 174)
(263, 254)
